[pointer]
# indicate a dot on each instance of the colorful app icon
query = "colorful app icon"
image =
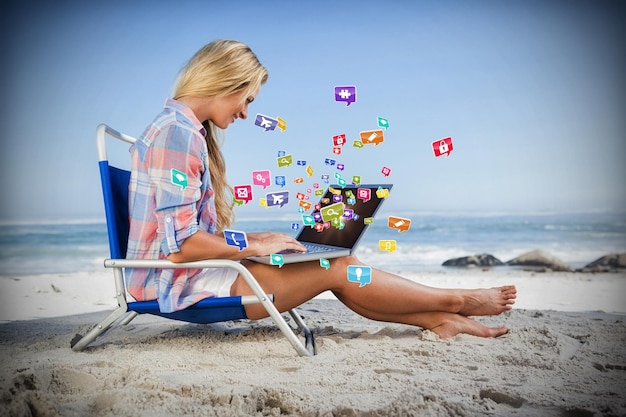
(346, 94)
(360, 274)
(281, 124)
(386, 171)
(236, 238)
(332, 211)
(357, 144)
(356, 179)
(284, 161)
(341, 167)
(301, 162)
(382, 192)
(364, 194)
(442, 147)
(325, 263)
(298, 180)
(308, 220)
(387, 245)
(368, 220)
(399, 223)
(277, 259)
(337, 150)
(261, 178)
(243, 193)
(318, 193)
(382, 122)
(265, 122)
(372, 136)
(263, 202)
(339, 140)
(277, 199)
(179, 178)
(309, 170)
(305, 205)
(280, 180)
(295, 226)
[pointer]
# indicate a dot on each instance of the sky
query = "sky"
(532, 94)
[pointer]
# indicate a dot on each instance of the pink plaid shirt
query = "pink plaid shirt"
(170, 199)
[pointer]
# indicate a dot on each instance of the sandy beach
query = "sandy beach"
(565, 355)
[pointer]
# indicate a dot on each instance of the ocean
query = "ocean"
(577, 239)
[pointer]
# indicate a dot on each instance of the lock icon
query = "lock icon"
(442, 147)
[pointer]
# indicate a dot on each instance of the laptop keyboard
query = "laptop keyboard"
(310, 249)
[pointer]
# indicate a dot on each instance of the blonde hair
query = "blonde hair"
(220, 68)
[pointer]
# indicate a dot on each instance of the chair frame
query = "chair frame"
(127, 311)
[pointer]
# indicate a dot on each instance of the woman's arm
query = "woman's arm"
(203, 245)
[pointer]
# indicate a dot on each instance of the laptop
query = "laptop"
(335, 229)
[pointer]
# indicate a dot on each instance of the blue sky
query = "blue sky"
(531, 92)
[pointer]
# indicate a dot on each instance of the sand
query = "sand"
(565, 355)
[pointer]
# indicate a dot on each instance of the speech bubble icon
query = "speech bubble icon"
(382, 122)
(386, 171)
(357, 144)
(308, 220)
(387, 245)
(345, 94)
(236, 238)
(356, 179)
(282, 125)
(442, 147)
(277, 199)
(333, 211)
(280, 180)
(368, 220)
(382, 192)
(305, 205)
(179, 178)
(399, 223)
(309, 170)
(364, 194)
(261, 178)
(265, 122)
(243, 193)
(263, 202)
(277, 259)
(339, 140)
(360, 274)
(284, 161)
(372, 136)
(325, 263)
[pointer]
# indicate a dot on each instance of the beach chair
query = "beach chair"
(210, 310)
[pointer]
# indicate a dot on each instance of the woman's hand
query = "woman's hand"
(266, 243)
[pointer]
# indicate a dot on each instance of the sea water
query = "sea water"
(576, 239)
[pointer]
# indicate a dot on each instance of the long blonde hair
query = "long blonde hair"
(220, 68)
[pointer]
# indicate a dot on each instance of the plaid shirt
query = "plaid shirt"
(170, 199)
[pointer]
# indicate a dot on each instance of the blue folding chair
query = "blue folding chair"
(210, 310)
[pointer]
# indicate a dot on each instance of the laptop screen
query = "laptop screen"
(351, 206)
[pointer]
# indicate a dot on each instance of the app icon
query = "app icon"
(341, 167)
(443, 147)
(236, 238)
(261, 178)
(243, 193)
(308, 220)
(348, 213)
(280, 180)
(356, 179)
(399, 223)
(295, 226)
(339, 140)
(298, 180)
(357, 144)
(372, 136)
(265, 122)
(277, 259)
(301, 162)
(277, 199)
(309, 170)
(337, 150)
(387, 245)
(332, 211)
(318, 193)
(281, 124)
(305, 205)
(382, 122)
(368, 220)
(179, 178)
(325, 263)
(238, 203)
(284, 161)
(382, 192)
(386, 171)
(281, 153)
(360, 274)
(364, 194)
(346, 94)
(263, 202)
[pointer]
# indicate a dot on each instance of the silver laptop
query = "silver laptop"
(335, 229)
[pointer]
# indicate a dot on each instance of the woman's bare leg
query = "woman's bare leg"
(387, 298)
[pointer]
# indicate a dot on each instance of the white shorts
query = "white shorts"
(215, 280)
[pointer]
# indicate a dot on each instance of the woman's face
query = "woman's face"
(229, 108)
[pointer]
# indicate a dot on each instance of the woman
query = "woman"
(180, 203)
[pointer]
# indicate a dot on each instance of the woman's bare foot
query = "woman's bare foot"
(454, 324)
(487, 302)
